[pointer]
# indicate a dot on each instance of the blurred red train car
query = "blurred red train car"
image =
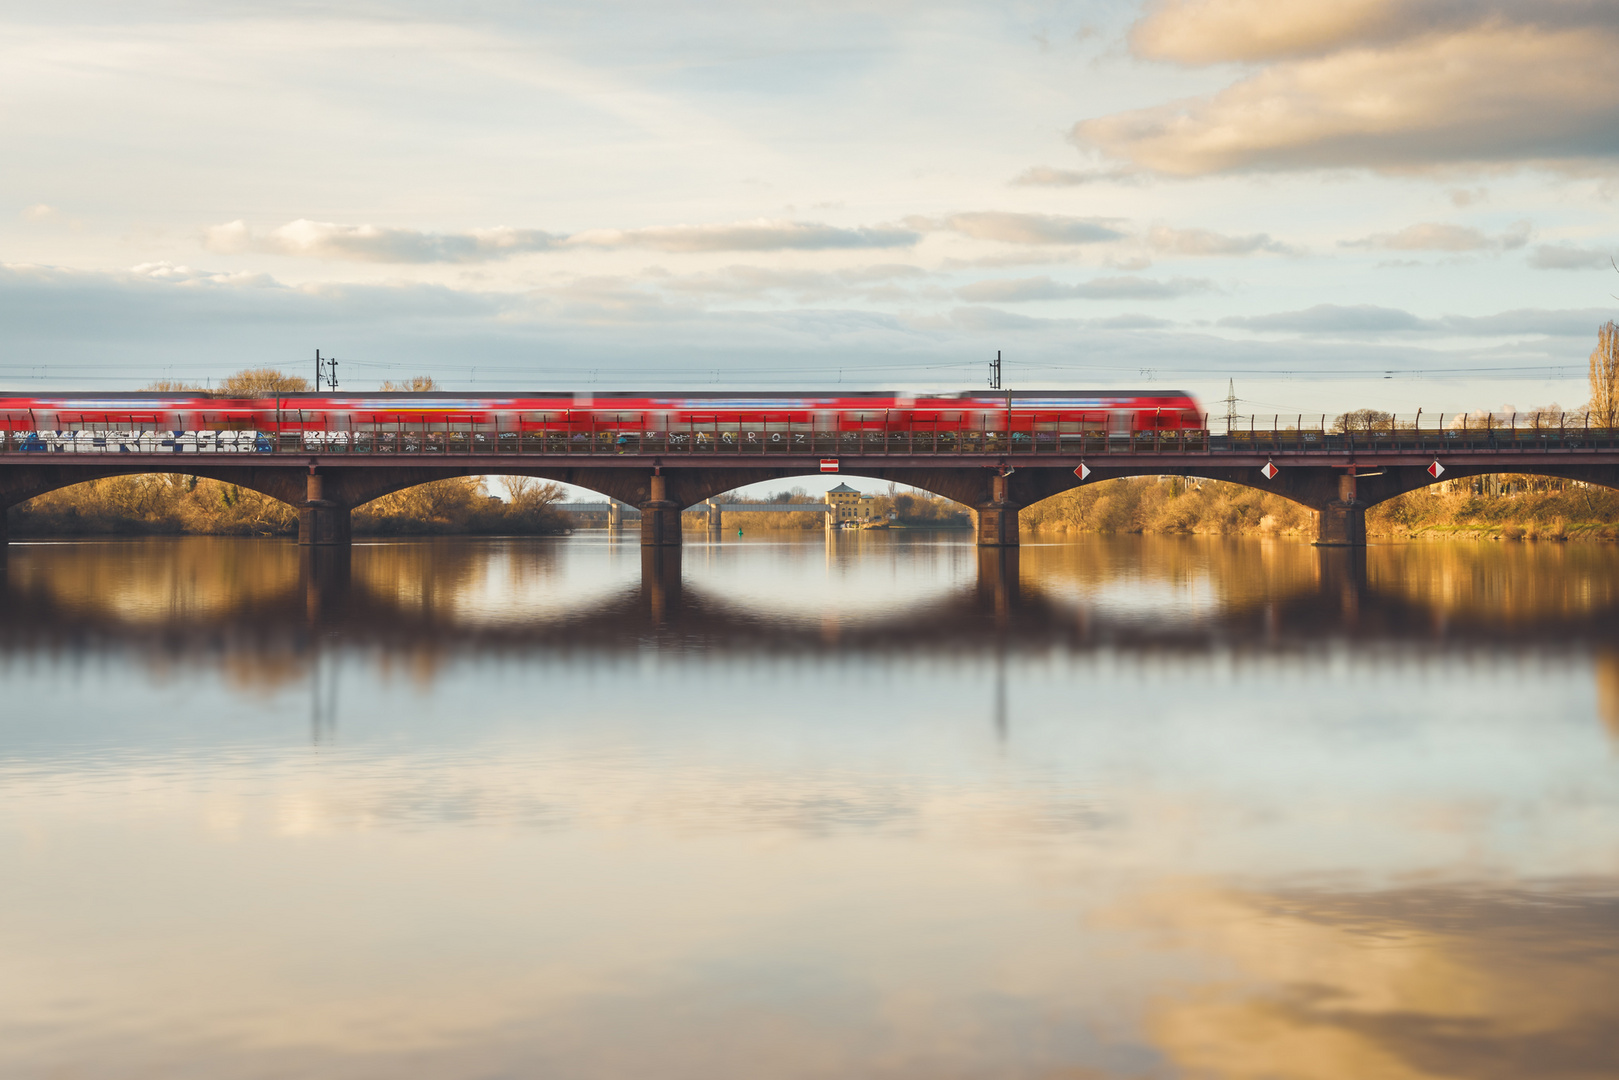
(622, 419)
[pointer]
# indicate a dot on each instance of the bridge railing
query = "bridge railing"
(1379, 433)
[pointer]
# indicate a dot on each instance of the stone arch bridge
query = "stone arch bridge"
(1337, 476)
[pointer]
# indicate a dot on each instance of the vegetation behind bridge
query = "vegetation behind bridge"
(174, 503)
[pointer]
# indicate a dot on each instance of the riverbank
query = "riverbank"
(174, 504)
(1506, 508)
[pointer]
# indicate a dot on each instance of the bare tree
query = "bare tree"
(255, 382)
(529, 493)
(1363, 420)
(416, 384)
(172, 386)
(1604, 407)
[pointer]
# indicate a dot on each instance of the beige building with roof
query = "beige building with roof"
(850, 505)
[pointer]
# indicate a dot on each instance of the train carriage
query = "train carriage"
(615, 423)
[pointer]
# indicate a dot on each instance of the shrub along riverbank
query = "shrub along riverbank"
(1507, 507)
(174, 503)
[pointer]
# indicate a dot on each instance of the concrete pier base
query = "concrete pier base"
(997, 525)
(660, 516)
(997, 518)
(322, 520)
(1343, 523)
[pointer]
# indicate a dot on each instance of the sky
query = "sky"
(1398, 204)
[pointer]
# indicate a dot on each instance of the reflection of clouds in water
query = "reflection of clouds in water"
(851, 575)
(1139, 598)
(1417, 982)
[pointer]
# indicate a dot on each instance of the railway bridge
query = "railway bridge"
(1337, 475)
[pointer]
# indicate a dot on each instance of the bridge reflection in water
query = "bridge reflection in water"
(272, 606)
(1117, 808)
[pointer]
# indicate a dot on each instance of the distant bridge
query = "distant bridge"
(1338, 475)
(617, 513)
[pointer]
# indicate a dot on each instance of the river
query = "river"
(873, 805)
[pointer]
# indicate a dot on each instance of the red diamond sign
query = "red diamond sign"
(1083, 471)
(1436, 470)
(1269, 471)
(829, 464)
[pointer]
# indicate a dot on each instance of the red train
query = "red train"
(131, 421)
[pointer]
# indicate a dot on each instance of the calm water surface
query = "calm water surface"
(783, 807)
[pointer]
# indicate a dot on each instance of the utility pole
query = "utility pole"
(995, 371)
(1230, 405)
(325, 369)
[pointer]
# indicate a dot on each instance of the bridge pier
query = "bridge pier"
(660, 515)
(1342, 523)
(615, 515)
(997, 518)
(322, 520)
(716, 523)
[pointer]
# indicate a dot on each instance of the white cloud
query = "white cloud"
(1430, 236)
(40, 212)
(1045, 176)
(1026, 290)
(1015, 228)
(760, 235)
(1569, 257)
(872, 283)
(1375, 83)
(1370, 320)
(1197, 32)
(1204, 242)
(376, 243)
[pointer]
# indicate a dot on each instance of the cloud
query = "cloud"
(1375, 84)
(185, 275)
(1368, 319)
(883, 282)
(1045, 176)
(761, 235)
(39, 212)
(1198, 32)
(1204, 242)
(376, 243)
(1438, 237)
(1026, 290)
(1334, 318)
(1012, 228)
(1569, 257)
